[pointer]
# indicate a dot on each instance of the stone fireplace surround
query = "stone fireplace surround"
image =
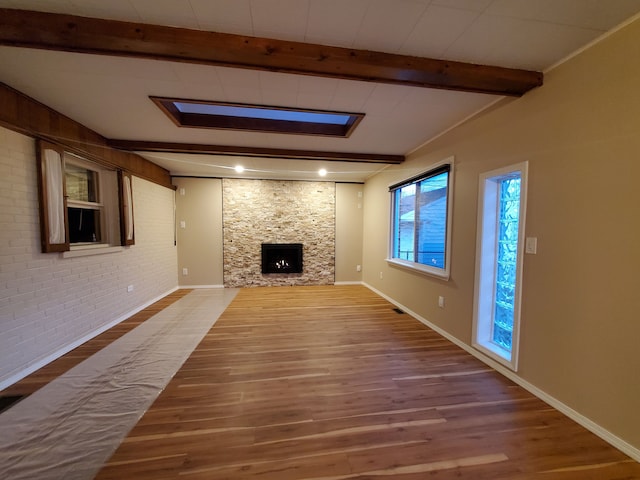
(275, 211)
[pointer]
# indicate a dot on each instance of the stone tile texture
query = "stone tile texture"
(274, 211)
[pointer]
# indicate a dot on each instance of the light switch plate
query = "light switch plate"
(531, 245)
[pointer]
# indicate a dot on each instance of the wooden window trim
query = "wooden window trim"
(125, 202)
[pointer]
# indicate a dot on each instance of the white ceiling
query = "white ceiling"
(110, 94)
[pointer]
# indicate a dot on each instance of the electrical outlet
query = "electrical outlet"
(185, 271)
(130, 288)
(358, 268)
(380, 274)
(183, 224)
(441, 301)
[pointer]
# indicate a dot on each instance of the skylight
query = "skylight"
(206, 114)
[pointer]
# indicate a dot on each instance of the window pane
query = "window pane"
(84, 225)
(263, 112)
(404, 222)
(509, 211)
(432, 221)
(82, 183)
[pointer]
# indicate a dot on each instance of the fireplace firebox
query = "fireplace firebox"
(281, 258)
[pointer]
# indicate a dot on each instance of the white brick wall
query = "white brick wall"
(49, 303)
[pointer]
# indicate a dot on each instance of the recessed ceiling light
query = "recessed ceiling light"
(239, 168)
(322, 172)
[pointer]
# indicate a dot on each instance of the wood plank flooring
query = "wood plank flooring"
(330, 383)
(41, 377)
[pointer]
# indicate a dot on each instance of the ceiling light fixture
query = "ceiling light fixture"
(239, 169)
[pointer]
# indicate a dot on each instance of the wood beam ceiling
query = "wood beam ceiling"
(109, 37)
(23, 114)
(143, 146)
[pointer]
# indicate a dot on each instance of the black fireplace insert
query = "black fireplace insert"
(281, 258)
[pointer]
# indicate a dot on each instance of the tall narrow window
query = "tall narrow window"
(502, 203)
(421, 222)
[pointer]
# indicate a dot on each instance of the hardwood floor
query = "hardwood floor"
(41, 377)
(330, 383)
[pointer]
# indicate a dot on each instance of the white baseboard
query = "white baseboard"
(590, 425)
(348, 283)
(66, 349)
(200, 286)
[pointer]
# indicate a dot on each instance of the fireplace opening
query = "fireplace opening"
(281, 258)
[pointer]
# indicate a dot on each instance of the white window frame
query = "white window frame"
(442, 273)
(486, 256)
(106, 203)
(98, 205)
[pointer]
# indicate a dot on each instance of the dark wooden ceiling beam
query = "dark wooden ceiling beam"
(23, 114)
(108, 37)
(145, 146)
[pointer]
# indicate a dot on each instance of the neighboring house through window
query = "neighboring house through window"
(421, 221)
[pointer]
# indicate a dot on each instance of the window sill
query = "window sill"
(419, 268)
(497, 353)
(89, 250)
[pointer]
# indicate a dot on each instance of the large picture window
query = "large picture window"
(420, 221)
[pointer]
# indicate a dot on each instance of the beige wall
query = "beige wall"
(199, 205)
(200, 244)
(580, 304)
(349, 208)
